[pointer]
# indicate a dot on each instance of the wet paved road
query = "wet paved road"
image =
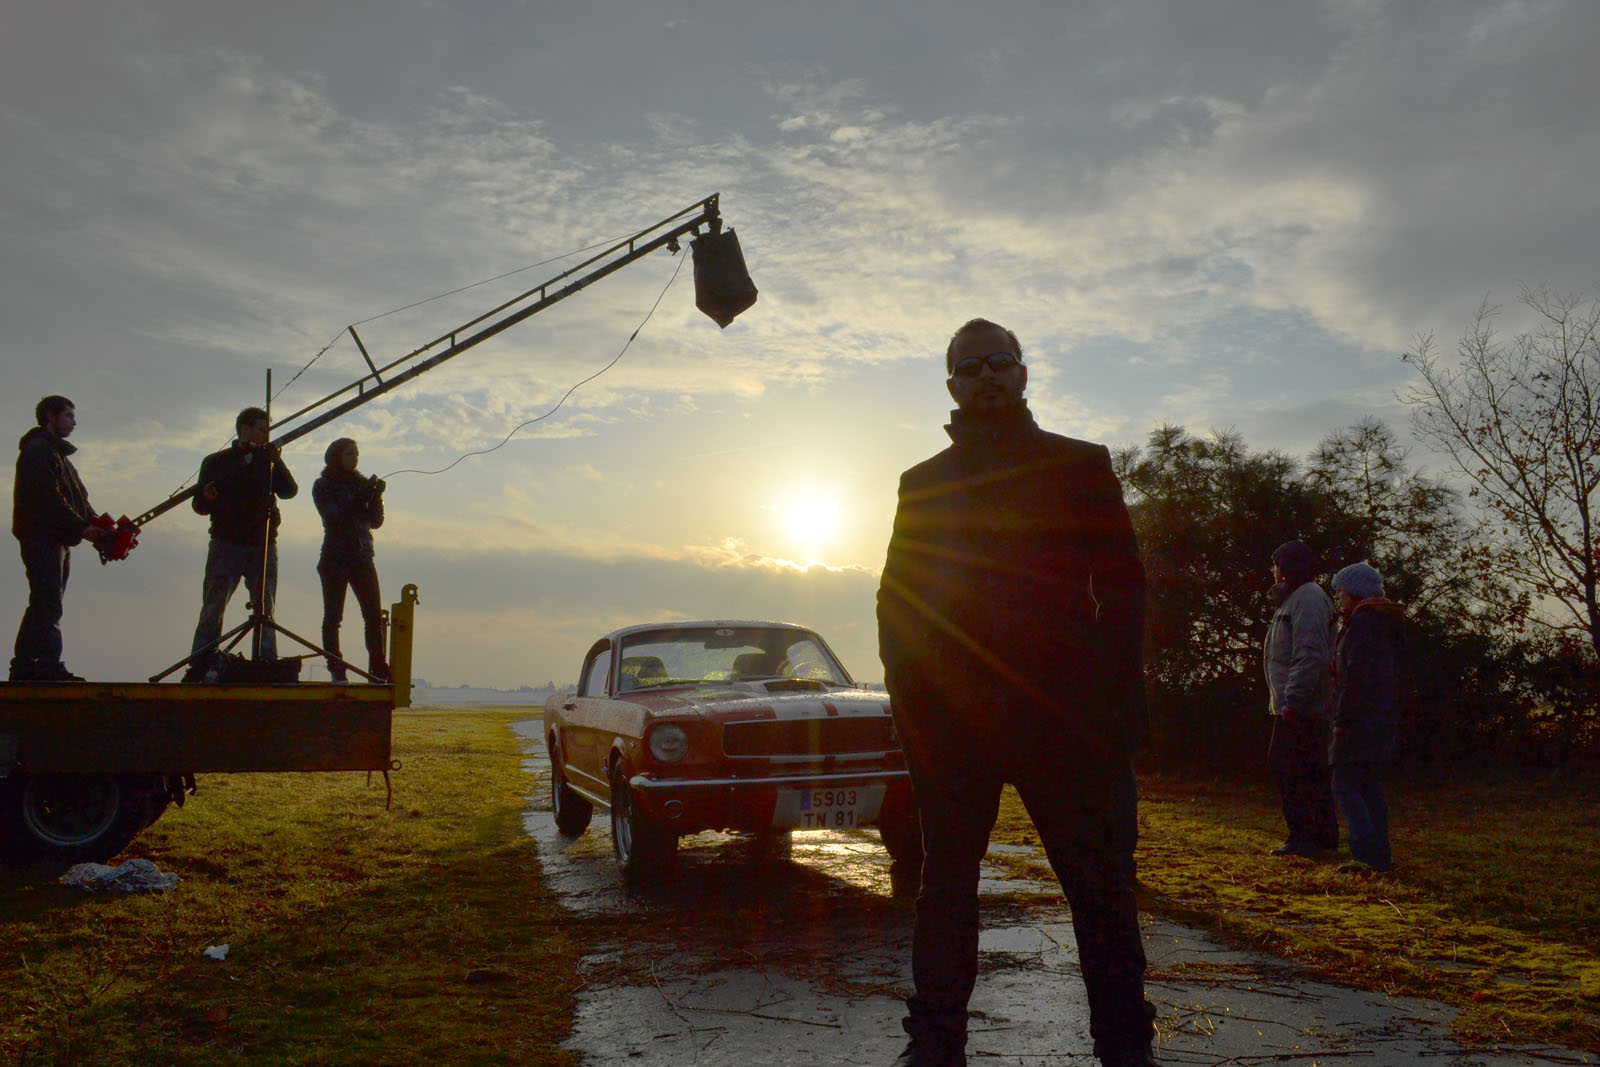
(756, 954)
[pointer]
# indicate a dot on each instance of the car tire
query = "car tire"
(645, 850)
(75, 818)
(572, 811)
(772, 846)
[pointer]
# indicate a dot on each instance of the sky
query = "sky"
(1220, 215)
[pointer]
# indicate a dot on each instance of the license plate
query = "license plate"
(828, 807)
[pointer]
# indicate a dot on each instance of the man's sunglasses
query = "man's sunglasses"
(972, 366)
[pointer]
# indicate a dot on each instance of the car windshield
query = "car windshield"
(726, 654)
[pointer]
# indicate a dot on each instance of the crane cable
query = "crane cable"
(440, 296)
(429, 299)
(538, 418)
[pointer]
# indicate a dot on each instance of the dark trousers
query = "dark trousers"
(1359, 791)
(361, 578)
(48, 565)
(226, 563)
(1083, 806)
(1298, 756)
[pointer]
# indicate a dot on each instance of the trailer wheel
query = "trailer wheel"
(76, 818)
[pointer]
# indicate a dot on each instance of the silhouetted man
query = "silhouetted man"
(50, 513)
(1010, 618)
(237, 487)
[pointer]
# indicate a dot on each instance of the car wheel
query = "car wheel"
(572, 811)
(644, 849)
(772, 846)
(76, 818)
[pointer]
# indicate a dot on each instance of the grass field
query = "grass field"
(1494, 906)
(356, 934)
(360, 935)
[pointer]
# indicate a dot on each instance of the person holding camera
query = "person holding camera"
(351, 506)
(237, 490)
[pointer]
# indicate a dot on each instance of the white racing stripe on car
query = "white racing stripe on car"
(826, 709)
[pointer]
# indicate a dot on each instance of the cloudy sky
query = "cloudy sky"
(1228, 215)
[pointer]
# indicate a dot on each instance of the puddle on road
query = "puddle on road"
(750, 955)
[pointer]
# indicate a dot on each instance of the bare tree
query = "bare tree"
(1519, 420)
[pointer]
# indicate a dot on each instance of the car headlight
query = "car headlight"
(669, 742)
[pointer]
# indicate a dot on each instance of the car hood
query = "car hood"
(743, 701)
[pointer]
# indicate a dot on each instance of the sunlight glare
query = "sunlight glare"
(811, 519)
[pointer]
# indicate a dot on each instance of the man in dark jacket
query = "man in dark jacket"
(1010, 618)
(237, 487)
(1366, 708)
(50, 513)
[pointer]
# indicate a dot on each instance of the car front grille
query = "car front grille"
(809, 737)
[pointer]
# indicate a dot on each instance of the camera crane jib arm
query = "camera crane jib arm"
(722, 290)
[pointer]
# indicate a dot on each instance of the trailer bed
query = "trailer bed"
(156, 728)
(84, 766)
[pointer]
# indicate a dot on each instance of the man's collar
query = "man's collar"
(1013, 425)
(60, 444)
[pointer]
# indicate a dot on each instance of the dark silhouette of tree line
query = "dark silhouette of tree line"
(1501, 583)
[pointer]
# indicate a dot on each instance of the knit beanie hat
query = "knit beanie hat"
(1295, 559)
(1359, 580)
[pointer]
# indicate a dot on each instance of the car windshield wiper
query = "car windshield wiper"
(657, 683)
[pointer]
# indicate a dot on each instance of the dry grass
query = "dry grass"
(357, 935)
(360, 935)
(1494, 906)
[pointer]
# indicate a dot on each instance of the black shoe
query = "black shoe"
(55, 672)
(1292, 847)
(1362, 868)
(925, 1055)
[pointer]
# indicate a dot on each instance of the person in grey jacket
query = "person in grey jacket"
(351, 506)
(1366, 708)
(1297, 658)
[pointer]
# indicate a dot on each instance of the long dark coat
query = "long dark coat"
(1013, 566)
(1366, 683)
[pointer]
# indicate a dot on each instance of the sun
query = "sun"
(810, 519)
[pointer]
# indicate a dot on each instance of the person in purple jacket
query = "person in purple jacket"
(1366, 709)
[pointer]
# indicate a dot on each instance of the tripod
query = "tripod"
(207, 660)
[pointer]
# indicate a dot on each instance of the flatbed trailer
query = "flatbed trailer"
(84, 766)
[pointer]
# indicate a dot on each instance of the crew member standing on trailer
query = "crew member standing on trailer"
(50, 513)
(236, 492)
(351, 506)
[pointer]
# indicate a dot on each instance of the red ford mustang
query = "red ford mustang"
(682, 727)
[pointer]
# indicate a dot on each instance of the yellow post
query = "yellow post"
(402, 618)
